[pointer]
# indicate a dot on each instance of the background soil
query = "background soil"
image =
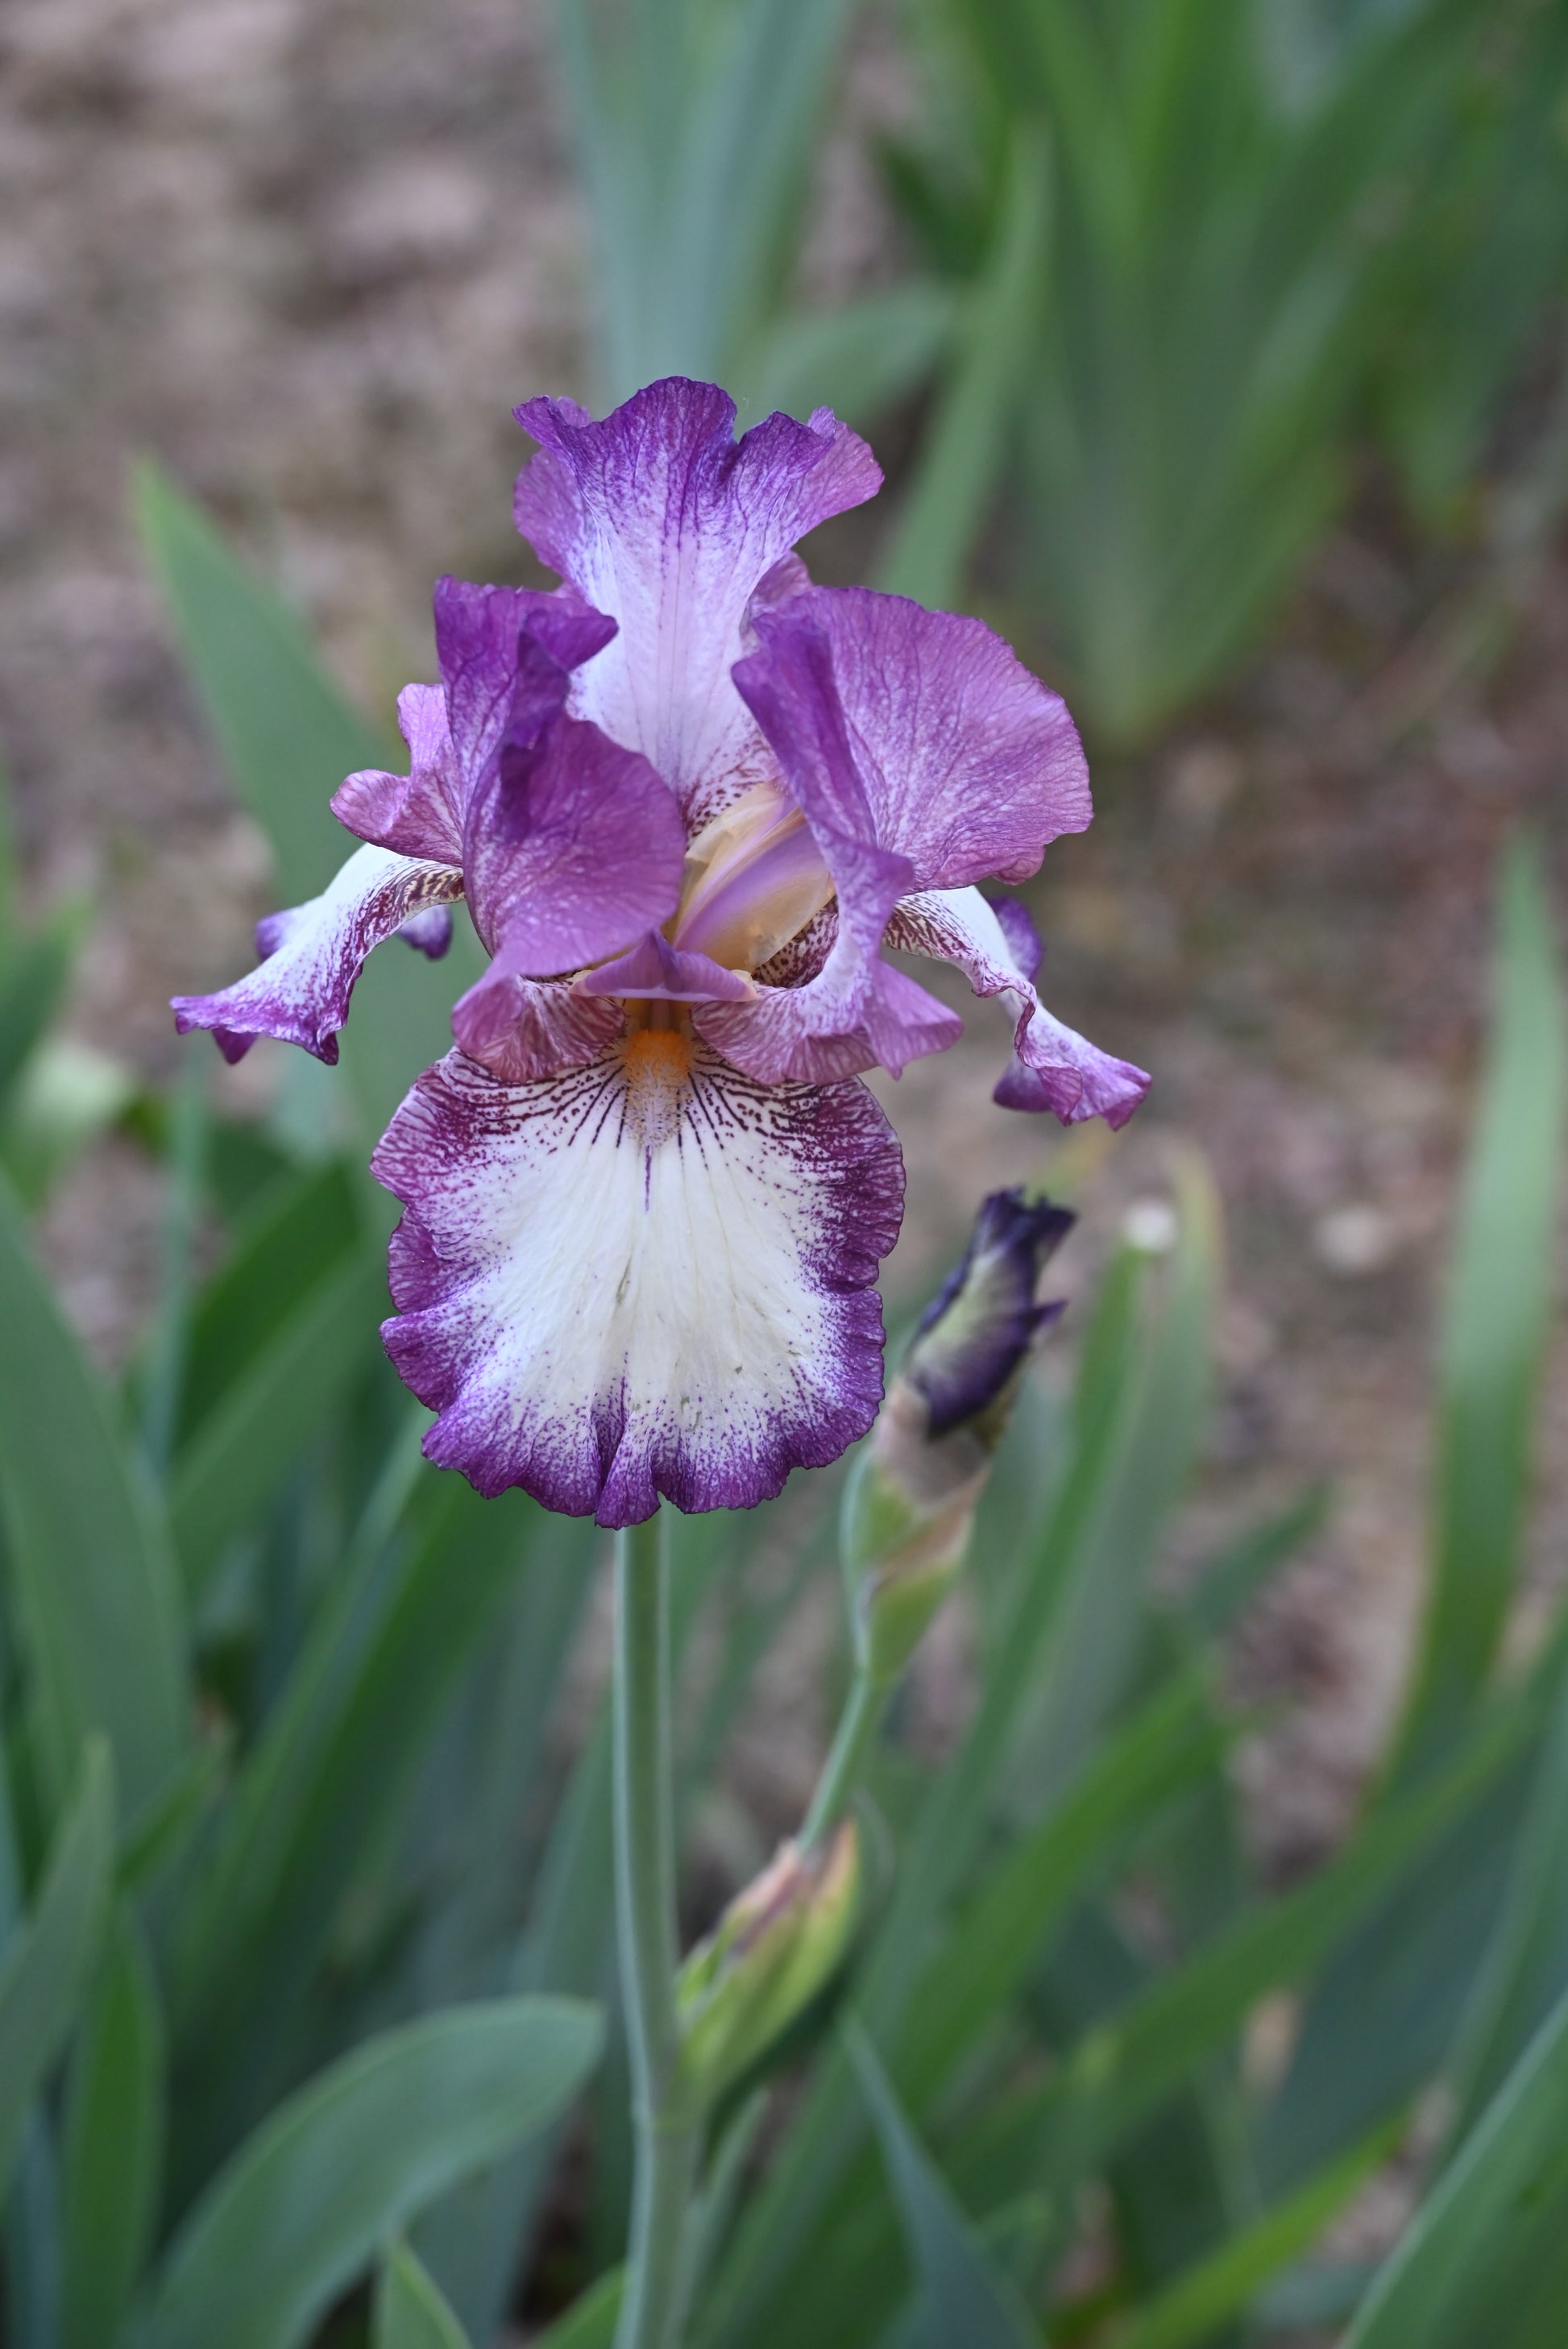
(310, 256)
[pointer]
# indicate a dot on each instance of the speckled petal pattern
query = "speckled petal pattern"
(314, 953)
(648, 1275)
(921, 731)
(1053, 1067)
(659, 516)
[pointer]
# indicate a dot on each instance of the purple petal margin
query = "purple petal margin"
(659, 516)
(1054, 1067)
(649, 1275)
(316, 952)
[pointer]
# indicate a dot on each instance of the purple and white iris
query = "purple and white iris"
(690, 799)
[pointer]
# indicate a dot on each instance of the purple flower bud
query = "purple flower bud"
(975, 1335)
(911, 1501)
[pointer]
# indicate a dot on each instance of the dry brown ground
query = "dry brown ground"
(310, 256)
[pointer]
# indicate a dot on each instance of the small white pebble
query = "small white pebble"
(1149, 1226)
(1355, 1239)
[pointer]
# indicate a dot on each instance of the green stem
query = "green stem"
(857, 1726)
(664, 2111)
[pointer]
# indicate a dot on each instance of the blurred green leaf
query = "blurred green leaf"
(1180, 2183)
(471, 2241)
(1480, 266)
(111, 2165)
(961, 461)
(301, 1231)
(47, 1965)
(288, 737)
(1206, 311)
(297, 2212)
(1486, 2259)
(996, 1943)
(1382, 2018)
(589, 2322)
(962, 2298)
(856, 360)
(160, 1381)
(1185, 2315)
(66, 1094)
(33, 976)
(1124, 2069)
(253, 1440)
(1498, 1312)
(90, 1570)
(410, 2313)
(150, 1839)
(1230, 1581)
(1526, 1968)
(695, 126)
(327, 1775)
(566, 1946)
(32, 2239)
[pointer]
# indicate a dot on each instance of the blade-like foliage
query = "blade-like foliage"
(1204, 311)
(962, 2298)
(1498, 1315)
(288, 737)
(297, 2212)
(112, 2155)
(1187, 2313)
(253, 1439)
(1481, 265)
(1393, 1996)
(589, 2322)
(91, 1578)
(1487, 2257)
(410, 2313)
(965, 445)
(33, 975)
(325, 1779)
(48, 1964)
(856, 360)
(695, 126)
(1526, 1968)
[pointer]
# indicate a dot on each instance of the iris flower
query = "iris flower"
(690, 799)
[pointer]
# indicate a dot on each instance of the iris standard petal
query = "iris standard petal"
(573, 848)
(1053, 1067)
(720, 1328)
(421, 813)
(919, 750)
(506, 656)
(919, 730)
(660, 516)
(314, 953)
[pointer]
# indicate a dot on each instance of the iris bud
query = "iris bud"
(771, 1952)
(912, 1496)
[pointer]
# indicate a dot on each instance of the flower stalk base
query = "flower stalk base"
(664, 2110)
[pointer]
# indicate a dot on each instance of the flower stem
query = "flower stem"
(857, 1726)
(664, 2110)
